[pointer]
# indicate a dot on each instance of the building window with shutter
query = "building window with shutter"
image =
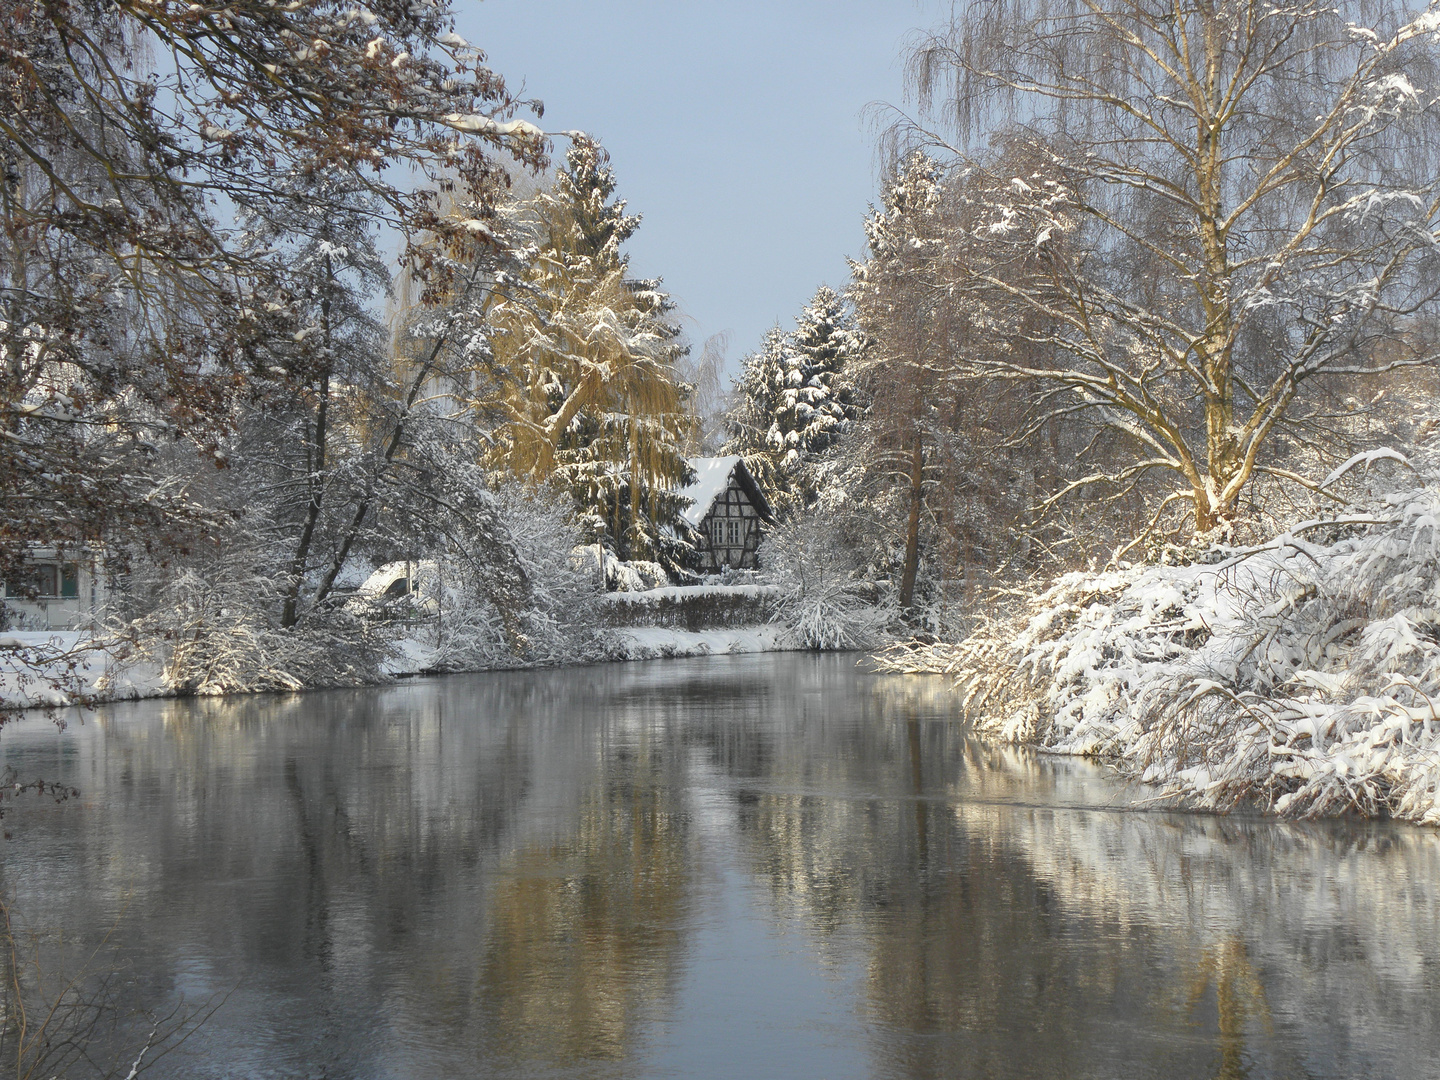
(45, 581)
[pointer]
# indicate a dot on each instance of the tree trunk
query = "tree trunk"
(291, 613)
(362, 510)
(912, 528)
(510, 598)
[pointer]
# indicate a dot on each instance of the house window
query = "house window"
(46, 581)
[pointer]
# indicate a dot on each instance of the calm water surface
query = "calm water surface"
(747, 867)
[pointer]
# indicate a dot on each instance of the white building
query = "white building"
(55, 591)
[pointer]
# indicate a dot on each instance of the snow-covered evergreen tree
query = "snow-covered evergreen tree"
(817, 397)
(759, 394)
(585, 390)
(796, 398)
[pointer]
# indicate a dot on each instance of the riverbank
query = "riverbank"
(55, 669)
(1299, 676)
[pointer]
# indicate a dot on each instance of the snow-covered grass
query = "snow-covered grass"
(1301, 675)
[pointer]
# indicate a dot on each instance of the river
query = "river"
(738, 867)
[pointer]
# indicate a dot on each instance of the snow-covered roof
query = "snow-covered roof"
(712, 477)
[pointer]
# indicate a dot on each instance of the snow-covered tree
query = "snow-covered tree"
(1218, 219)
(759, 396)
(561, 620)
(944, 463)
(308, 441)
(817, 399)
(796, 398)
(904, 375)
(582, 381)
(130, 314)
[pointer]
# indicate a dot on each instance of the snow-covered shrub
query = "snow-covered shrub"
(556, 623)
(638, 575)
(823, 601)
(212, 628)
(1302, 675)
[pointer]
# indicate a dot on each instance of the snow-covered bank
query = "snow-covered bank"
(57, 669)
(654, 642)
(1302, 675)
(412, 657)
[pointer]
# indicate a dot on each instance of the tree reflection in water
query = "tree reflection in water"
(558, 873)
(586, 934)
(1239, 999)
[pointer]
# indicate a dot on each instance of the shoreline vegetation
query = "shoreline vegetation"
(1112, 304)
(1299, 676)
(57, 669)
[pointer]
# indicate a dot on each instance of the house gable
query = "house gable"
(728, 512)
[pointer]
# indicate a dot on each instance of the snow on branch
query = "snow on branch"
(478, 124)
(1301, 675)
(1368, 458)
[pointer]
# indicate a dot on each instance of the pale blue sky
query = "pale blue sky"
(735, 128)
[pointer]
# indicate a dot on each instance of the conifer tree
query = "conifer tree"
(759, 395)
(585, 389)
(818, 400)
(796, 398)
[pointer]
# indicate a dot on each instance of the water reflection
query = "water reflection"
(743, 866)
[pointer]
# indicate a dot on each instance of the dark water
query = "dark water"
(737, 868)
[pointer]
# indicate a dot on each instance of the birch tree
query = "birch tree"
(1218, 217)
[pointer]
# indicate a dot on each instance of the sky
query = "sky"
(734, 126)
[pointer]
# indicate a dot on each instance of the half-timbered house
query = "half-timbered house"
(727, 511)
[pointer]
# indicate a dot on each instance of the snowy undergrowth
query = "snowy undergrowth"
(822, 599)
(1302, 675)
(211, 630)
